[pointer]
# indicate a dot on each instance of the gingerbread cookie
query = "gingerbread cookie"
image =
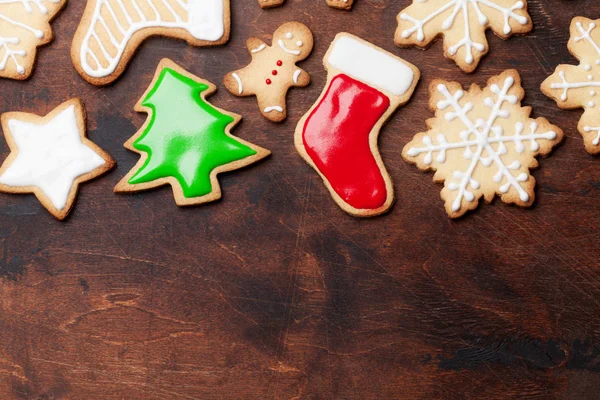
(341, 4)
(111, 31)
(338, 135)
(273, 70)
(482, 143)
(24, 26)
(578, 86)
(186, 141)
(270, 3)
(463, 24)
(50, 156)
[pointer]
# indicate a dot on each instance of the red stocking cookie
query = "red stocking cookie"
(338, 135)
(273, 70)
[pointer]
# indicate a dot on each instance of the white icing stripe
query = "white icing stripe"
(274, 108)
(50, 156)
(202, 19)
(239, 82)
(588, 129)
(282, 45)
(297, 75)
(371, 65)
(259, 48)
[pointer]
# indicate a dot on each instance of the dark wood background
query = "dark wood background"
(274, 292)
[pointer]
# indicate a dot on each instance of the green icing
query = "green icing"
(185, 137)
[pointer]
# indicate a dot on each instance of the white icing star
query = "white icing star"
(49, 156)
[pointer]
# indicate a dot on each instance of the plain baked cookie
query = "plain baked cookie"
(578, 86)
(338, 135)
(110, 31)
(50, 156)
(482, 143)
(24, 26)
(463, 24)
(186, 141)
(273, 70)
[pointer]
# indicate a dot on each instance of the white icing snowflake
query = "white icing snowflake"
(578, 86)
(482, 143)
(24, 25)
(463, 24)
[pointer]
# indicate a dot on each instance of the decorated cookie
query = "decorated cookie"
(462, 23)
(338, 135)
(273, 69)
(341, 4)
(50, 156)
(579, 86)
(186, 141)
(111, 31)
(270, 3)
(482, 143)
(24, 26)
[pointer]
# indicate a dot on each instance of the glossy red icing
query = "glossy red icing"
(336, 138)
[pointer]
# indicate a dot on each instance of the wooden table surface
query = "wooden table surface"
(275, 293)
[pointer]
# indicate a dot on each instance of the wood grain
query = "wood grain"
(274, 292)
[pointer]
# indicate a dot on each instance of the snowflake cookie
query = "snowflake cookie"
(482, 143)
(578, 86)
(24, 26)
(463, 24)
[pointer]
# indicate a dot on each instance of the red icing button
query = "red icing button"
(279, 63)
(336, 138)
(268, 81)
(274, 72)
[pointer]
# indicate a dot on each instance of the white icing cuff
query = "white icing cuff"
(206, 19)
(370, 65)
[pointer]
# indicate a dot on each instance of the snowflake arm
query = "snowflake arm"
(578, 86)
(21, 32)
(424, 20)
(484, 144)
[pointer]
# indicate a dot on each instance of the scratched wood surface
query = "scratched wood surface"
(273, 292)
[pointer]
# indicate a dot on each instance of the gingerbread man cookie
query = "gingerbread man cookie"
(273, 69)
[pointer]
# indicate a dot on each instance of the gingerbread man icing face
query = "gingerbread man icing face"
(294, 40)
(273, 69)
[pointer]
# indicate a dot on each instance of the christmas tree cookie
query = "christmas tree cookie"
(50, 156)
(482, 143)
(578, 86)
(338, 135)
(273, 70)
(24, 26)
(111, 31)
(186, 142)
(462, 23)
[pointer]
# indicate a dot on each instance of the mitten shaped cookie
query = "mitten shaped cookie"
(273, 70)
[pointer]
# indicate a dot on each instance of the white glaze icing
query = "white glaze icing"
(483, 143)
(239, 82)
(259, 48)
(297, 75)
(596, 141)
(50, 156)
(374, 66)
(465, 7)
(204, 20)
(7, 42)
(274, 108)
(282, 45)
